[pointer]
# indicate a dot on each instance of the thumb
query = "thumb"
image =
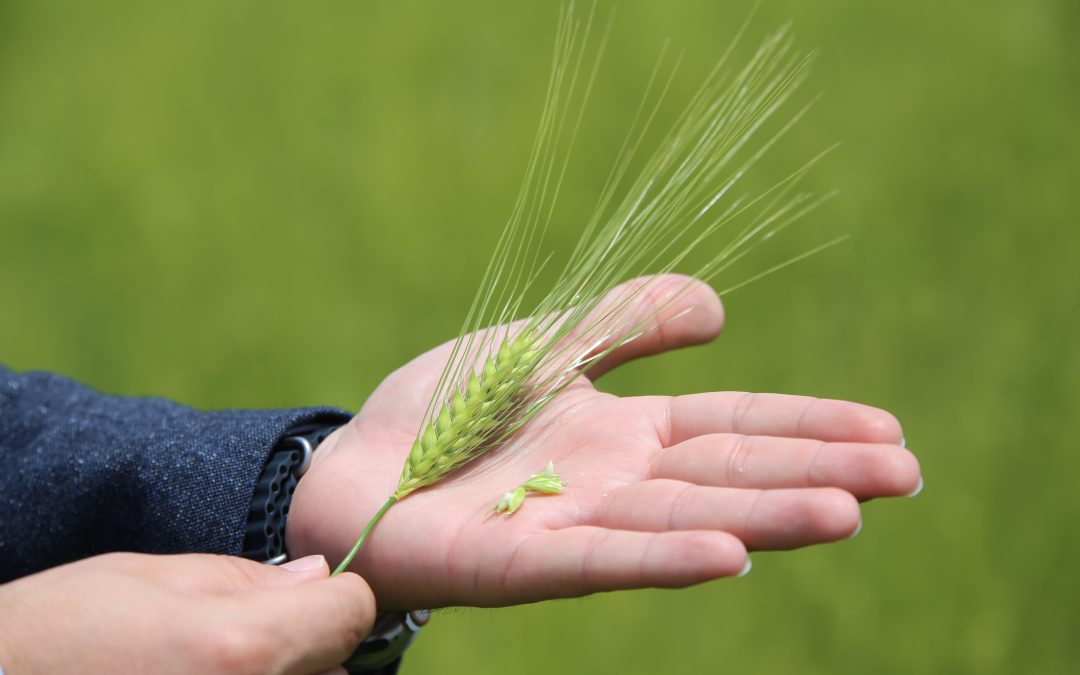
(664, 312)
(213, 574)
(221, 574)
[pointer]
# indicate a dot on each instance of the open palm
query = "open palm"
(661, 491)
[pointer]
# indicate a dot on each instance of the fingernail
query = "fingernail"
(917, 490)
(311, 562)
(858, 529)
(746, 568)
(903, 441)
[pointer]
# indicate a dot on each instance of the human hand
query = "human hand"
(132, 613)
(662, 491)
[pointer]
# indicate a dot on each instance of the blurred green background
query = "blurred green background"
(250, 204)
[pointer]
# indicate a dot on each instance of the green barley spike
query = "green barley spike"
(468, 423)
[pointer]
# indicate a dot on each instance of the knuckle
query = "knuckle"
(739, 412)
(232, 649)
(130, 563)
(242, 573)
(681, 506)
(117, 559)
(121, 558)
(738, 459)
(227, 572)
(360, 602)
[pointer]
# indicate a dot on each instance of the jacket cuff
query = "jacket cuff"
(88, 473)
(225, 453)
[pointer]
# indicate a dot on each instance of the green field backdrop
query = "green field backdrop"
(249, 204)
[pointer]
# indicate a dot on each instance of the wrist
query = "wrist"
(301, 528)
(347, 483)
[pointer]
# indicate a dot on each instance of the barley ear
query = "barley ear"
(475, 418)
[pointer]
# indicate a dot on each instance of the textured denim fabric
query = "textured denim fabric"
(83, 473)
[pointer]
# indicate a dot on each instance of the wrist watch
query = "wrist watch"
(264, 541)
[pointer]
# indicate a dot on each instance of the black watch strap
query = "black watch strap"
(264, 539)
(391, 635)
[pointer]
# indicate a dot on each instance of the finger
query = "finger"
(761, 519)
(665, 312)
(866, 470)
(581, 560)
(315, 625)
(228, 574)
(216, 574)
(777, 415)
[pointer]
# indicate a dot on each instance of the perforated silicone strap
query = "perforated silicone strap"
(264, 537)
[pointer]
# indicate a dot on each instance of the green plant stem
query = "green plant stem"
(363, 536)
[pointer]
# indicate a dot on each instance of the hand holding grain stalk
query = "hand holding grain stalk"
(660, 491)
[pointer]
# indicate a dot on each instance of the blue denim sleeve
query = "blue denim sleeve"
(83, 473)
